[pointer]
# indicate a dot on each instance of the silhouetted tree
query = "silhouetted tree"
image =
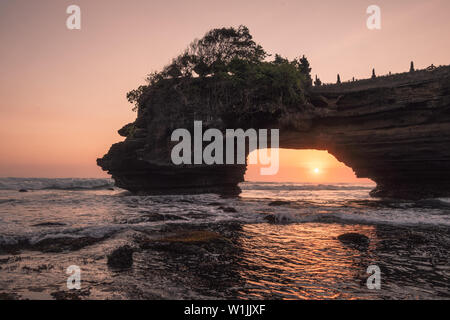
(304, 65)
(219, 47)
(411, 68)
(373, 73)
(279, 59)
(305, 69)
(232, 74)
(338, 79)
(317, 82)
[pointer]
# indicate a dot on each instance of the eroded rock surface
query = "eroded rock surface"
(394, 130)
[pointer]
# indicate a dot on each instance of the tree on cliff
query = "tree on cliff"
(338, 79)
(216, 50)
(373, 73)
(279, 59)
(305, 69)
(229, 69)
(301, 64)
(411, 68)
(317, 82)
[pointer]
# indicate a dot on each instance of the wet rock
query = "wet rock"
(10, 259)
(49, 224)
(270, 218)
(228, 209)
(197, 215)
(121, 258)
(189, 242)
(152, 217)
(49, 245)
(414, 238)
(39, 268)
(193, 236)
(63, 244)
(9, 296)
(355, 240)
(279, 203)
(71, 295)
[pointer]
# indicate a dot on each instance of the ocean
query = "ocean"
(274, 241)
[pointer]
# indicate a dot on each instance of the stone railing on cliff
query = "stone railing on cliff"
(391, 80)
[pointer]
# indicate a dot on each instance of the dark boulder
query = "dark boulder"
(121, 258)
(354, 240)
(228, 209)
(279, 203)
(49, 224)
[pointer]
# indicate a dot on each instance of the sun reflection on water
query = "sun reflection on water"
(303, 262)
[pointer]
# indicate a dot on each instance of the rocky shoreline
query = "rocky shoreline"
(209, 261)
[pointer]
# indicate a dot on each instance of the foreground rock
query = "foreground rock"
(49, 224)
(279, 203)
(228, 209)
(121, 258)
(356, 240)
(59, 244)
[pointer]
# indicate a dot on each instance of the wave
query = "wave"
(301, 186)
(55, 184)
(395, 218)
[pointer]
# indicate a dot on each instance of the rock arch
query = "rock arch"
(394, 130)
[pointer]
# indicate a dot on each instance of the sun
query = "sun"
(316, 170)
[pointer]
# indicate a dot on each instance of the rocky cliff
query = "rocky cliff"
(394, 130)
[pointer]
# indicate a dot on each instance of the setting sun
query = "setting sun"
(306, 166)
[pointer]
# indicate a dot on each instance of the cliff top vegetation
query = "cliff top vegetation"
(227, 71)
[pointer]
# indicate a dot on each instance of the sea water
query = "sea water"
(274, 241)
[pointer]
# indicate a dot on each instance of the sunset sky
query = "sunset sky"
(63, 91)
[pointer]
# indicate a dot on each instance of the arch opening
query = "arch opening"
(305, 166)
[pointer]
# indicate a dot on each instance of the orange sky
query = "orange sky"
(63, 92)
(309, 166)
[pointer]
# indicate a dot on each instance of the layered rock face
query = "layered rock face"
(394, 130)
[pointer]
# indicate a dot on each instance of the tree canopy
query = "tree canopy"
(231, 56)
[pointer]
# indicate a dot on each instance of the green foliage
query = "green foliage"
(128, 130)
(227, 69)
(135, 96)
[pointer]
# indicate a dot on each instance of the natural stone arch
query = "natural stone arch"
(394, 130)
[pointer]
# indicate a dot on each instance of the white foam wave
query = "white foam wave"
(59, 184)
(396, 217)
(301, 186)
